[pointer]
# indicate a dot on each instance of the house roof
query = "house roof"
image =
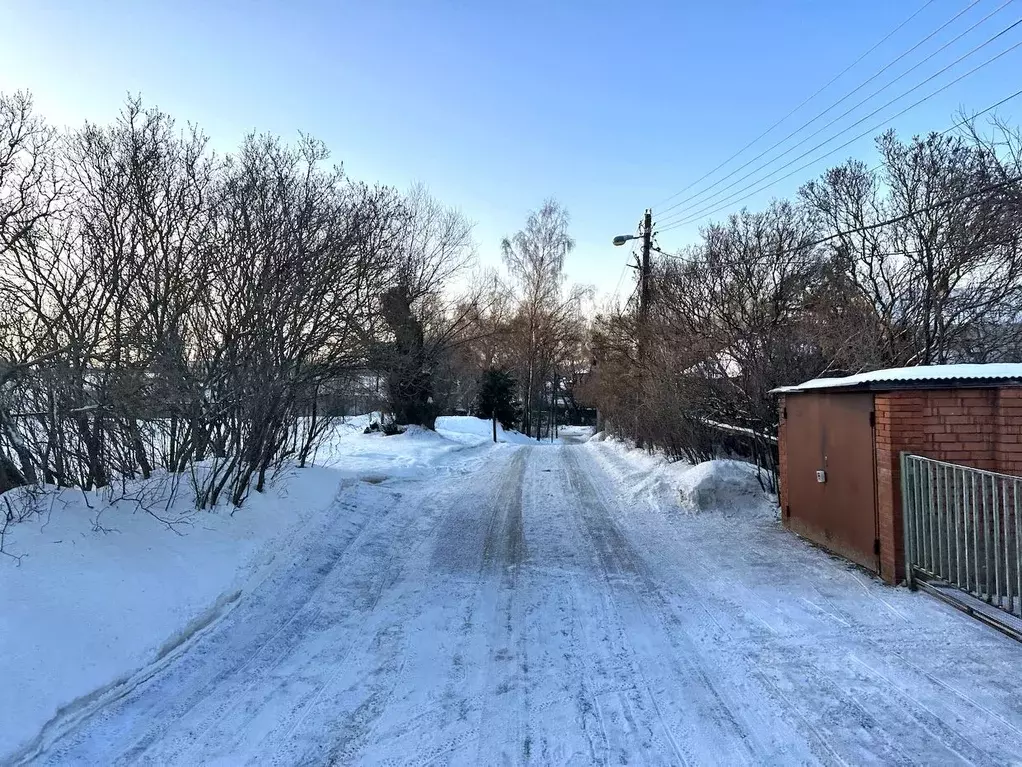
(919, 377)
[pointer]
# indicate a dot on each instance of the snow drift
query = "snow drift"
(473, 430)
(720, 485)
(99, 590)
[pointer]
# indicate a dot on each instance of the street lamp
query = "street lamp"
(646, 236)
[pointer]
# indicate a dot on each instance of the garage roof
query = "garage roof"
(919, 377)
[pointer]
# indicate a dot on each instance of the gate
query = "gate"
(963, 528)
(831, 473)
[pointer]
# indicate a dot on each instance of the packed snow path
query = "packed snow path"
(524, 608)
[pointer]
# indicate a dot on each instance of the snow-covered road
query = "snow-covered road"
(526, 609)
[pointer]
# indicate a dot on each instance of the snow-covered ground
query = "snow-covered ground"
(725, 487)
(468, 603)
(99, 591)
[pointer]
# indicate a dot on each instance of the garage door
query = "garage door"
(833, 434)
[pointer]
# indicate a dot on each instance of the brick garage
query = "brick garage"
(854, 430)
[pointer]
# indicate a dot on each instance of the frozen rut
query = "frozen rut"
(525, 610)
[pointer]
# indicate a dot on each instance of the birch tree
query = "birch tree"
(535, 256)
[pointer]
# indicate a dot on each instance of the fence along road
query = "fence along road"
(963, 531)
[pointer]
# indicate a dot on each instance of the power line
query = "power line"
(876, 167)
(816, 117)
(858, 104)
(959, 124)
(620, 279)
(684, 214)
(817, 93)
(776, 260)
(682, 219)
(905, 216)
(925, 209)
(730, 202)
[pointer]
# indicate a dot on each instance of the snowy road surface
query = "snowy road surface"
(525, 609)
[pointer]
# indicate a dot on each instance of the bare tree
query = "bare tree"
(535, 258)
(31, 194)
(165, 308)
(425, 318)
(31, 187)
(946, 273)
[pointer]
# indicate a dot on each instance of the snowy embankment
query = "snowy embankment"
(94, 591)
(471, 430)
(723, 486)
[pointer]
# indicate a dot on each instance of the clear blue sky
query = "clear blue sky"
(607, 106)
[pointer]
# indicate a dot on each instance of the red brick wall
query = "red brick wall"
(981, 428)
(892, 413)
(1009, 432)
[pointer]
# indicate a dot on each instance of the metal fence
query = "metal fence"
(963, 527)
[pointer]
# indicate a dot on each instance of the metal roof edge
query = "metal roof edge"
(906, 385)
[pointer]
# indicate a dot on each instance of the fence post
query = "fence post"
(907, 520)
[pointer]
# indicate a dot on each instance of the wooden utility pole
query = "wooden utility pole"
(643, 266)
(642, 324)
(644, 286)
(647, 245)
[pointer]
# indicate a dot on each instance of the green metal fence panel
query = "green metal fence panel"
(963, 528)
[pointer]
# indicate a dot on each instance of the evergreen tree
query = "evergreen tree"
(496, 398)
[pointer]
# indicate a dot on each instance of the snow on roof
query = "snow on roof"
(974, 372)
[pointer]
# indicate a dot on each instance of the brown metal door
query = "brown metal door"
(833, 433)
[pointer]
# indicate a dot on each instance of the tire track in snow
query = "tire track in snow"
(564, 717)
(201, 696)
(620, 575)
(223, 657)
(367, 680)
(753, 695)
(501, 611)
(234, 720)
(608, 692)
(717, 715)
(461, 536)
(802, 668)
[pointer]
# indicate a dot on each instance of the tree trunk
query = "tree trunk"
(28, 473)
(140, 453)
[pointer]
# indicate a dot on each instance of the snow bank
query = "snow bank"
(471, 430)
(414, 454)
(101, 590)
(573, 435)
(458, 431)
(721, 486)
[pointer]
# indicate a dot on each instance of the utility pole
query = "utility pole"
(647, 245)
(646, 235)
